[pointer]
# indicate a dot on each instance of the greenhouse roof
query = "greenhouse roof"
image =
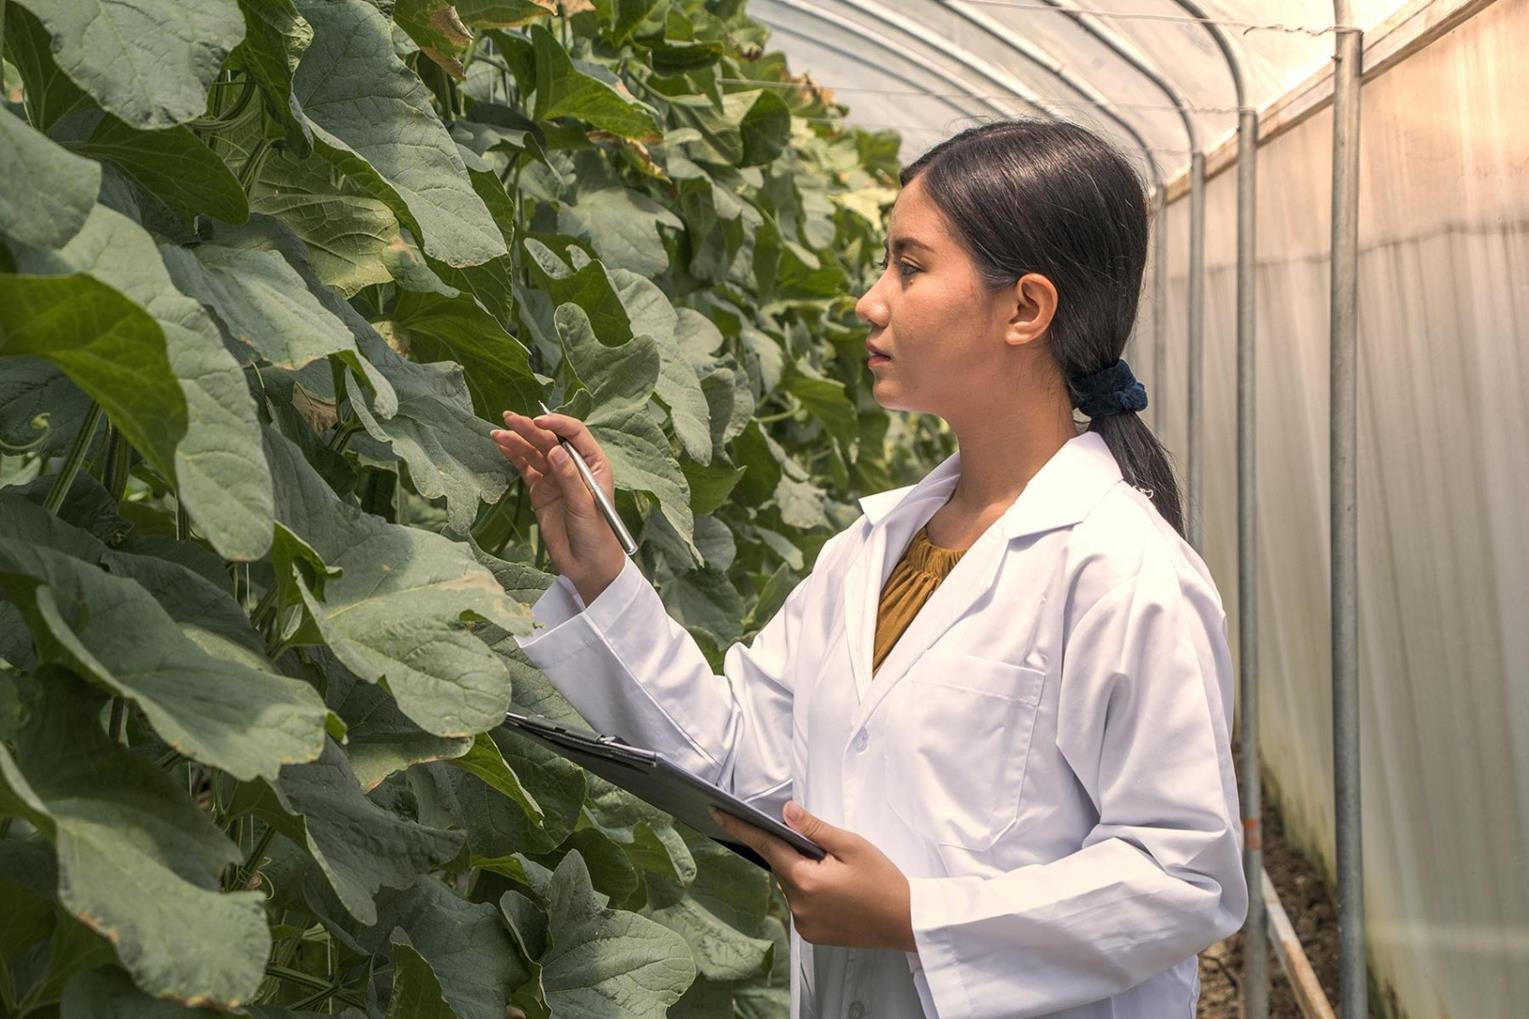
(927, 68)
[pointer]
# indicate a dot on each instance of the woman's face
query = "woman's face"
(930, 311)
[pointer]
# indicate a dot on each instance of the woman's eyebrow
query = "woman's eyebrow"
(907, 242)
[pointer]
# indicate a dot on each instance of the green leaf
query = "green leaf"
(40, 409)
(149, 62)
(497, 365)
(261, 301)
(108, 993)
(346, 231)
(217, 465)
(564, 91)
(107, 345)
(371, 117)
(359, 846)
(486, 762)
(765, 129)
(436, 28)
(138, 862)
(622, 224)
(49, 214)
(396, 613)
(227, 714)
(465, 944)
(435, 432)
(173, 165)
(417, 991)
(503, 13)
(606, 962)
(380, 740)
(275, 38)
(50, 96)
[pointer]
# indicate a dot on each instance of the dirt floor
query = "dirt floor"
(1312, 912)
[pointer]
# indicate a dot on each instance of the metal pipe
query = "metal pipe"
(1255, 953)
(1194, 439)
(1256, 984)
(1159, 306)
(1348, 53)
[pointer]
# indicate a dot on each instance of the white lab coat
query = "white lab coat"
(1044, 752)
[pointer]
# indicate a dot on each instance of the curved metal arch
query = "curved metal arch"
(854, 57)
(814, 10)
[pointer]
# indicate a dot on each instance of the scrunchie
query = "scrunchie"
(1110, 390)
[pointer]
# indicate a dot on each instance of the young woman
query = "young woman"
(1001, 699)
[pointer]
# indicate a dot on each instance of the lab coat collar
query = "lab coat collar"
(1060, 494)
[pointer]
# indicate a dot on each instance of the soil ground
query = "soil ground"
(1312, 911)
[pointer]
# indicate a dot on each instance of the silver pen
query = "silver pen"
(622, 535)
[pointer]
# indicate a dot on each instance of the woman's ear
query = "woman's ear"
(1033, 300)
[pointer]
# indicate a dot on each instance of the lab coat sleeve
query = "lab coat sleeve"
(632, 670)
(1143, 723)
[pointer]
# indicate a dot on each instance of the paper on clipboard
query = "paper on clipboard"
(655, 779)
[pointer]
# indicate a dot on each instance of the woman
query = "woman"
(1003, 694)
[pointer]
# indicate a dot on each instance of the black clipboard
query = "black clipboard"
(655, 779)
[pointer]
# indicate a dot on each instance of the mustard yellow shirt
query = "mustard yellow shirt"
(910, 584)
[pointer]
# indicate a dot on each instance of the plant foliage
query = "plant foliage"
(270, 271)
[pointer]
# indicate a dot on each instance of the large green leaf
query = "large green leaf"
(225, 713)
(261, 301)
(137, 861)
(622, 224)
(417, 990)
(396, 612)
(605, 962)
(372, 117)
(562, 90)
(149, 62)
(107, 345)
(106, 993)
(465, 944)
(46, 216)
(347, 231)
(275, 38)
(497, 365)
(50, 96)
(173, 165)
(359, 846)
(379, 738)
(503, 13)
(218, 466)
(433, 429)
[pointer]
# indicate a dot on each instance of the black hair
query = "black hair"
(1053, 198)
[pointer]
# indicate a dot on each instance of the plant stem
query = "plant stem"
(118, 713)
(76, 456)
(2, 47)
(252, 862)
(119, 461)
(296, 977)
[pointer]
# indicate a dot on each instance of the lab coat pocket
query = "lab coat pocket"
(960, 741)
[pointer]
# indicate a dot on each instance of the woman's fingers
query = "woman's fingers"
(545, 430)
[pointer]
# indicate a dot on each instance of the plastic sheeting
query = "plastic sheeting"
(1443, 436)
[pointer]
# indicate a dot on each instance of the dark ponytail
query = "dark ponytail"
(1055, 199)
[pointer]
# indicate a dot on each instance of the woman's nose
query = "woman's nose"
(870, 309)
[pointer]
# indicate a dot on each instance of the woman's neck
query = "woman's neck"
(1001, 453)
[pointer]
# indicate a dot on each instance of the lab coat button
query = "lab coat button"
(861, 739)
(856, 1011)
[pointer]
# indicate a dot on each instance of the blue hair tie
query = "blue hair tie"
(1111, 390)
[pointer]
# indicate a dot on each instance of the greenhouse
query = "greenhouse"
(452, 524)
